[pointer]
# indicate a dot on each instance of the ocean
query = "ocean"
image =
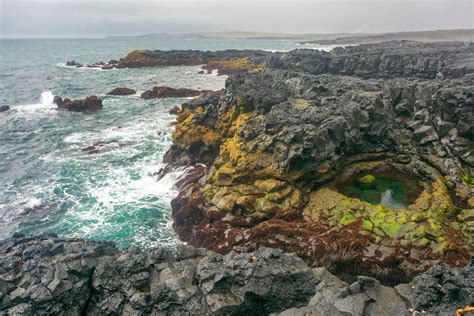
(48, 184)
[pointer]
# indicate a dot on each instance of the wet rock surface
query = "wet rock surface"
(162, 92)
(51, 275)
(225, 62)
(277, 142)
(4, 108)
(122, 91)
(89, 104)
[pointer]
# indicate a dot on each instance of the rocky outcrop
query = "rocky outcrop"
(225, 62)
(162, 92)
(383, 60)
(102, 65)
(122, 91)
(89, 104)
(278, 145)
(50, 275)
(4, 108)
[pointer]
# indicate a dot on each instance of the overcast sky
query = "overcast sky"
(75, 18)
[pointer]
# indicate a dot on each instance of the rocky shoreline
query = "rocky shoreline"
(51, 275)
(270, 160)
(278, 144)
(227, 62)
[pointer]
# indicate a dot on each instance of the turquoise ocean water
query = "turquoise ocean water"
(47, 184)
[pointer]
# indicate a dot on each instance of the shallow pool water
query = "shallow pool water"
(393, 190)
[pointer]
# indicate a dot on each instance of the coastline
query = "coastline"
(267, 156)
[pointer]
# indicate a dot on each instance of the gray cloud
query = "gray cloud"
(68, 18)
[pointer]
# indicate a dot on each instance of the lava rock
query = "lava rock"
(276, 143)
(122, 91)
(174, 110)
(89, 104)
(49, 275)
(161, 92)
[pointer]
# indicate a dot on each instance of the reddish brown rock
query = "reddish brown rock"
(122, 91)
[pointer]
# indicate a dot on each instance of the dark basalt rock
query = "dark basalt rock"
(4, 108)
(51, 275)
(89, 104)
(122, 91)
(174, 110)
(72, 63)
(161, 92)
(226, 62)
(102, 146)
(275, 144)
(382, 60)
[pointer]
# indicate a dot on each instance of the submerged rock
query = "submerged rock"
(122, 91)
(277, 143)
(89, 104)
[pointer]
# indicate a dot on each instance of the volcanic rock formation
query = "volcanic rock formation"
(279, 143)
(89, 104)
(51, 275)
(161, 92)
(122, 91)
(225, 62)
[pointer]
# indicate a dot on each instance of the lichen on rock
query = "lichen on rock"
(279, 142)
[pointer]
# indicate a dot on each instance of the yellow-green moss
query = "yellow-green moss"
(367, 179)
(187, 133)
(420, 228)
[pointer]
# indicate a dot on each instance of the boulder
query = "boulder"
(122, 91)
(4, 108)
(89, 104)
(174, 110)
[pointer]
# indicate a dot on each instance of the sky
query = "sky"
(76, 18)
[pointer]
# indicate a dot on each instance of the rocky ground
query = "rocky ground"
(278, 143)
(51, 275)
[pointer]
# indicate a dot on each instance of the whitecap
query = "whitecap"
(45, 104)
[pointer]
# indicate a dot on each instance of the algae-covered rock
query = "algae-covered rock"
(368, 179)
(280, 142)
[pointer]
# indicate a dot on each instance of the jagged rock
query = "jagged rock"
(89, 104)
(50, 275)
(122, 91)
(89, 277)
(72, 63)
(174, 110)
(302, 127)
(161, 92)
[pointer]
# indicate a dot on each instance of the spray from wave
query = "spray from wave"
(45, 104)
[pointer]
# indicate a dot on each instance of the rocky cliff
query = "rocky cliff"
(274, 154)
(57, 276)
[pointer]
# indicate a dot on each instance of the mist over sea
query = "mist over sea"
(47, 184)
